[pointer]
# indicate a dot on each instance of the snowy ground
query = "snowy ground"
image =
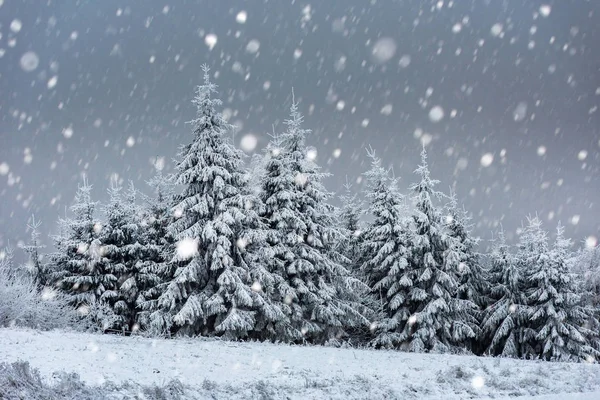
(258, 370)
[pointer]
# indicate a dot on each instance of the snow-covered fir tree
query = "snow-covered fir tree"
(507, 311)
(35, 266)
(216, 230)
(556, 312)
(155, 267)
(75, 266)
(472, 280)
(120, 253)
(7, 261)
(438, 320)
(312, 287)
(385, 253)
(348, 217)
(532, 255)
(586, 267)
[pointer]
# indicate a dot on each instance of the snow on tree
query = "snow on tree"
(7, 261)
(436, 319)
(214, 231)
(385, 256)
(348, 216)
(35, 267)
(531, 256)
(120, 252)
(315, 291)
(556, 312)
(155, 267)
(75, 266)
(507, 311)
(586, 265)
(472, 284)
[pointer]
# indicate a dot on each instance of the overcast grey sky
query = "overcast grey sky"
(104, 87)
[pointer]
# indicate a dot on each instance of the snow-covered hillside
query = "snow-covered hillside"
(257, 370)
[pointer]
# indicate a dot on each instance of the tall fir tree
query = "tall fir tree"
(556, 312)
(532, 254)
(155, 266)
(440, 321)
(75, 267)
(507, 309)
(216, 229)
(121, 251)
(312, 287)
(348, 217)
(586, 267)
(472, 285)
(385, 251)
(35, 265)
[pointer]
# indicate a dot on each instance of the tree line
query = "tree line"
(216, 250)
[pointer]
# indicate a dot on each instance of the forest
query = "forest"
(257, 251)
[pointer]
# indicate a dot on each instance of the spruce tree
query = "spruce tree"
(507, 311)
(586, 267)
(439, 321)
(76, 266)
(214, 229)
(312, 287)
(472, 285)
(532, 255)
(556, 309)
(348, 218)
(35, 266)
(120, 253)
(385, 251)
(155, 267)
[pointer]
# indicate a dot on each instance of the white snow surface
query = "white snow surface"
(297, 372)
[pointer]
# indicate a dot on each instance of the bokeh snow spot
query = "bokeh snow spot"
(187, 248)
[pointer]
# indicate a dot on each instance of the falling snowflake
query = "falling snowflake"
(383, 50)
(545, 10)
(16, 25)
(487, 159)
(436, 114)
(210, 40)
(252, 46)
(496, 29)
(186, 248)
(248, 142)
(241, 17)
(29, 61)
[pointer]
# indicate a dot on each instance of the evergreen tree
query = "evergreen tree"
(472, 285)
(35, 266)
(438, 320)
(121, 251)
(155, 267)
(76, 266)
(348, 217)
(385, 256)
(312, 287)
(507, 311)
(7, 262)
(586, 267)
(556, 310)
(531, 256)
(216, 231)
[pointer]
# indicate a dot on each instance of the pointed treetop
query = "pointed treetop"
(33, 225)
(204, 91)
(347, 185)
(561, 241)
